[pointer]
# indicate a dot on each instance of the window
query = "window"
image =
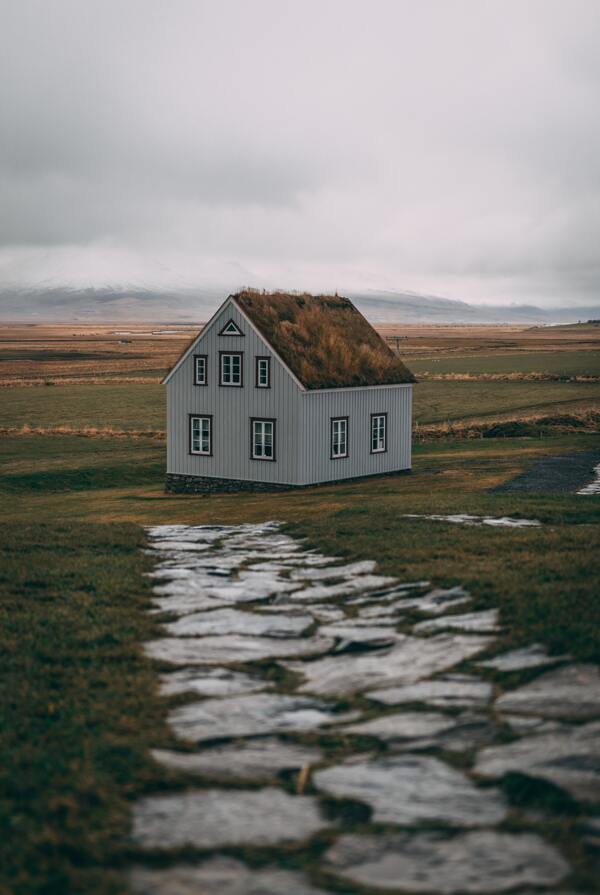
(378, 433)
(262, 434)
(263, 372)
(200, 364)
(231, 329)
(201, 435)
(339, 437)
(231, 368)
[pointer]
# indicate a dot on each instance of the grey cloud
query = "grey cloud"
(446, 146)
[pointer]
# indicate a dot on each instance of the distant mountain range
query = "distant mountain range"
(114, 303)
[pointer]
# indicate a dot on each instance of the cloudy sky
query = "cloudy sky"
(443, 146)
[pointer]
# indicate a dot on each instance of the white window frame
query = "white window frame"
(258, 427)
(203, 418)
(263, 364)
(378, 433)
(230, 382)
(201, 380)
(339, 437)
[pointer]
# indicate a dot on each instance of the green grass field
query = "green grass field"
(560, 363)
(130, 406)
(141, 407)
(79, 709)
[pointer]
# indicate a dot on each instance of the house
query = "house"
(283, 390)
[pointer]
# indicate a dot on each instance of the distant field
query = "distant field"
(130, 406)
(560, 363)
(137, 406)
(438, 401)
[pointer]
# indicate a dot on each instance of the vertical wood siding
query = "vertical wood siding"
(320, 407)
(303, 418)
(232, 409)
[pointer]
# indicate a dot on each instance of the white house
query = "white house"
(283, 390)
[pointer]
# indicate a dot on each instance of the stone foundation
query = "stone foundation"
(197, 484)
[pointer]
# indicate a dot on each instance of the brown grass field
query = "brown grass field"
(31, 353)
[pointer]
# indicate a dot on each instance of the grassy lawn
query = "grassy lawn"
(131, 406)
(78, 707)
(561, 363)
(141, 407)
(436, 402)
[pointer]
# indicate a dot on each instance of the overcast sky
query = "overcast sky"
(444, 146)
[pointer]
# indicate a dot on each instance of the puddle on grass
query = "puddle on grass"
(468, 519)
(594, 486)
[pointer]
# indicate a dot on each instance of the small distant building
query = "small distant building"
(283, 390)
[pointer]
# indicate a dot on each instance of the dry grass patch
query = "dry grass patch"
(85, 432)
(514, 427)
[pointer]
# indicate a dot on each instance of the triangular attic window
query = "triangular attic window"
(231, 329)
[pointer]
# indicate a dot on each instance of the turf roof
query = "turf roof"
(323, 339)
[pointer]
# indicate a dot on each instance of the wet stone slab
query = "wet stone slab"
(359, 583)
(234, 621)
(248, 587)
(534, 656)
(253, 715)
(410, 660)
(469, 863)
(436, 601)
(319, 574)
(409, 789)
(403, 727)
(211, 682)
(257, 760)
(569, 758)
(232, 648)
(467, 519)
(219, 876)
(444, 692)
(347, 633)
(569, 692)
(422, 730)
(214, 817)
(485, 622)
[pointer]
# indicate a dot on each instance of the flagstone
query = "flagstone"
(534, 656)
(569, 758)
(257, 760)
(470, 863)
(232, 648)
(409, 789)
(252, 715)
(410, 659)
(485, 622)
(219, 876)
(211, 682)
(572, 691)
(214, 817)
(443, 692)
(234, 621)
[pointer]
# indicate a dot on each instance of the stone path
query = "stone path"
(334, 728)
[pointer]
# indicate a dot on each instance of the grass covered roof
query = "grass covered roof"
(323, 339)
